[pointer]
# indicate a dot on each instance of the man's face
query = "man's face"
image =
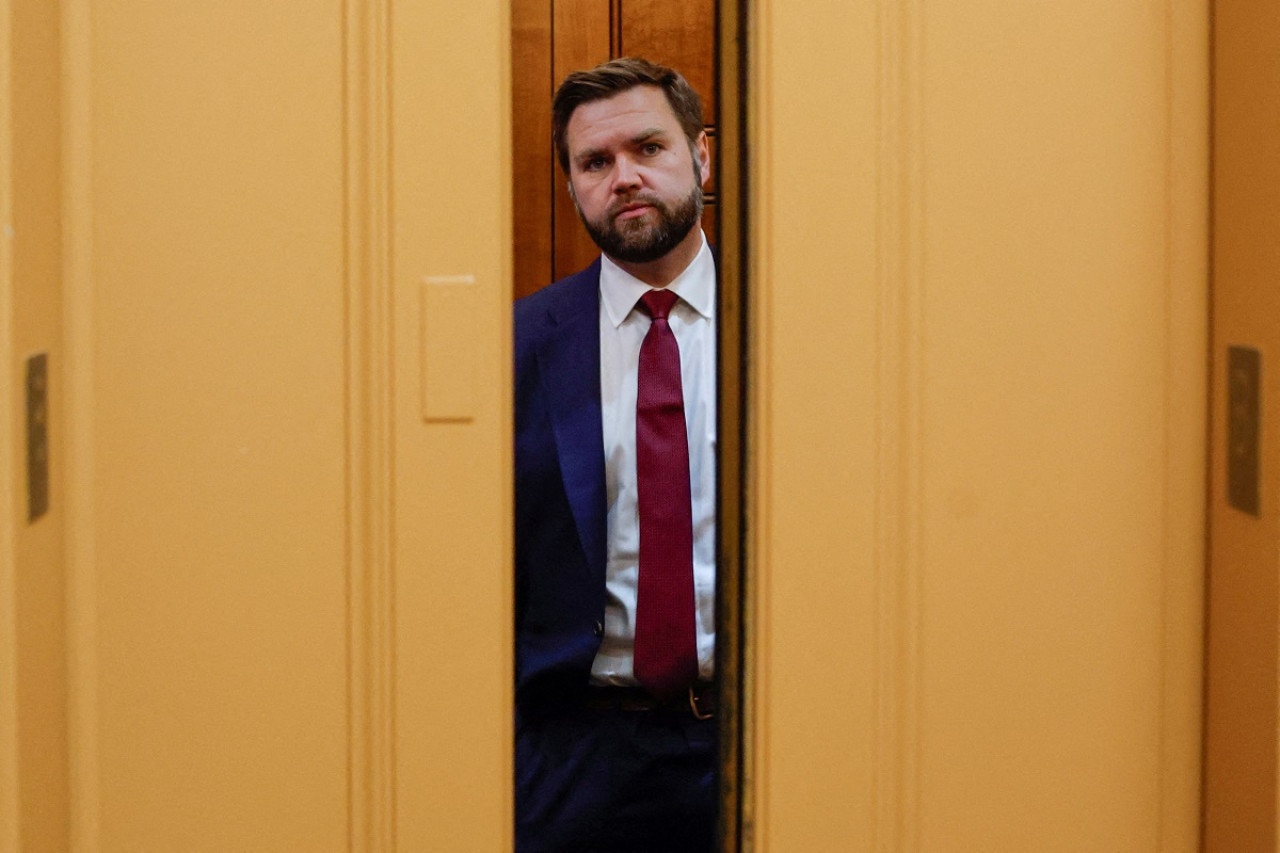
(633, 176)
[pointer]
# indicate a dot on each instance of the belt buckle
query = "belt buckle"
(698, 713)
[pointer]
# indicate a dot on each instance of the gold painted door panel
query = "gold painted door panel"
(978, 302)
(287, 579)
(1242, 696)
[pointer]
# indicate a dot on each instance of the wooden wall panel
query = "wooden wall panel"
(581, 38)
(678, 34)
(535, 173)
(711, 222)
(683, 36)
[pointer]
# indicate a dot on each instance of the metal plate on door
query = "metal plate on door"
(37, 436)
(1244, 374)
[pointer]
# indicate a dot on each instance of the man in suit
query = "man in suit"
(615, 486)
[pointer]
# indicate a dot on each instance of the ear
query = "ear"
(703, 152)
(573, 196)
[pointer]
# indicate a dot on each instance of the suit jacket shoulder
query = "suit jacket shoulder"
(539, 314)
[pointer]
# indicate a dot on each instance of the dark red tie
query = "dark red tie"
(666, 658)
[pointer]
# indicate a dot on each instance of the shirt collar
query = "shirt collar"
(696, 285)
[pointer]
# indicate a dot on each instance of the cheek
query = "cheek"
(591, 202)
(683, 174)
(592, 195)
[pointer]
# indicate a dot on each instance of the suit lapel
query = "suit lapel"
(569, 363)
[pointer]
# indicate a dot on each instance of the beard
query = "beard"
(649, 237)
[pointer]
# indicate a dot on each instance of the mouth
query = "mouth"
(632, 211)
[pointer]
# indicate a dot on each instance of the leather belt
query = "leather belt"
(699, 700)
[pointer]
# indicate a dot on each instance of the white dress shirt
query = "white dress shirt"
(622, 330)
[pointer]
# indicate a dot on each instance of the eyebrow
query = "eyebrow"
(647, 134)
(640, 138)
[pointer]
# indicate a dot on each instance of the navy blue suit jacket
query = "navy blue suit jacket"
(581, 782)
(560, 504)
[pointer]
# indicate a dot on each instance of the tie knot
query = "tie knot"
(658, 303)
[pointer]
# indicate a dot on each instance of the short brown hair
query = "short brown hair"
(616, 76)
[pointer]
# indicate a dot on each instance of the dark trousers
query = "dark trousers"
(615, 780)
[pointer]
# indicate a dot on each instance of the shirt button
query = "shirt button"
(599, 629)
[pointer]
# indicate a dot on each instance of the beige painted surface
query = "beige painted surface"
(264, 533)
(452, 167)
(9, 805)
(32, 593)
(217, 414)
(980, 327)
(1244, 571)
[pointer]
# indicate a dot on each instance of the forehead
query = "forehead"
(619, 117)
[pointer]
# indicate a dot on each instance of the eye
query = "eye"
(650, 148)
(595, 164)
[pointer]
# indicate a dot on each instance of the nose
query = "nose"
(626, 175)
